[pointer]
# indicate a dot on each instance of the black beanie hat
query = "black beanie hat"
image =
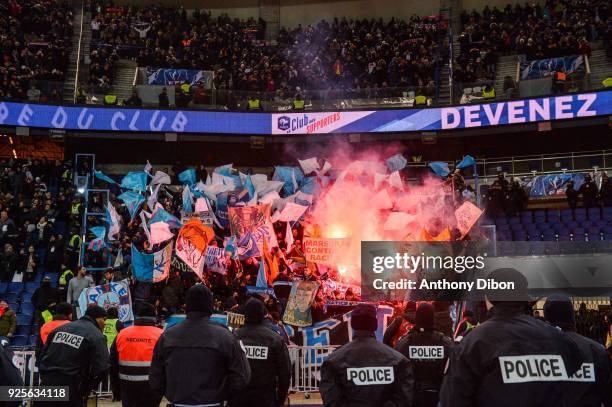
(425, 316)
(95, 311)
(363, 318)
(508, 275)
(254, 310)
(199, 298)
(559, 311)
(143, 309)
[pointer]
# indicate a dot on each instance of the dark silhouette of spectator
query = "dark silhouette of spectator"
(163, 98)
(572, 195)
(589, 192)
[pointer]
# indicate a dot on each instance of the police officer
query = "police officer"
(268, 358)
(512, 359)
(198, 361)
(9, 373)
(130, 358)
(591, 386)
(365, 372)
(427, 351)
(63, 315)
(76, 356)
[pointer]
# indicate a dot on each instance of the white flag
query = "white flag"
(115, 225)
(289, 238)
(160, 232)
(143, 223)
(160, 178)
(148, 167)
(309, 165)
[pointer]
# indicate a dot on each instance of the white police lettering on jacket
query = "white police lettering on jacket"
(585, 374)
(68, 339)
(365, 376)
(256, 352)
(532, 368)
(426, 352)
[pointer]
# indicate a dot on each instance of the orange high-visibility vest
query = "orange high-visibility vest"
(561, 76)
(46, 329)
(135, 349)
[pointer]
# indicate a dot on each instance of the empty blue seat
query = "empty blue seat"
(553, 215)
(31, 286)
(607, 213)
(607, 236)
(15, 287)
(26, 297)
(32, 340)
(548, 237)
(10, 297)
(580, 212)
(535, 236)
(594, 213)
(516, 226)
(14, 306)
(564, 238)
(514, 220)
(526, 216)
(571, 224)
(19, 340)
(539, 214)
(585, 224)
(3, 287)
(27, 308)
(520, 236)
(24, 319)
(23, 330)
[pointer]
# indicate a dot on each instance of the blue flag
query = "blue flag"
(249, 186)
(162, 215)
(440, 168)
(468, 161)
(132, 200)
(247, 247)
(310, 186)
(135, 180)
(396, 163)
(291, 176)
(230, 246)
(101, 176)
(142, 265)
(187, 201)
(98, 242)
(262, 281)
(224, 170)
(187, 177)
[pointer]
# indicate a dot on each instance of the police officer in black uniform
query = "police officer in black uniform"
(268, 357)
(198, 361)
(365, 372)
(427, 351)
(76, 355)
(512, 359)
(591, 386)
(9, 373)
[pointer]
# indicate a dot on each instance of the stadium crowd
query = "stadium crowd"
(35, 42)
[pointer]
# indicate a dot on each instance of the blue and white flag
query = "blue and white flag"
(290, 176)
(114, 294)
(154, 267)
(396, 163)
(545, 67)
(162, 215)
(132, 200)
(113, 220)
(224, 170)
(231, 247)
(262, 281)
(248, 183)
(101, 176)
(247, 247)
(187, 177)
(187, 200)
(173, 76)
(468, 161)
(440, 168)
(135, 180)
(97, 243)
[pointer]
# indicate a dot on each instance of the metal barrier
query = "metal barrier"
(306, 363)
(26, 363)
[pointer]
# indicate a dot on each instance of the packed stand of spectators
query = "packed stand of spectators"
(370, 55)
(35, 211)
(35, 42)
(558, 28)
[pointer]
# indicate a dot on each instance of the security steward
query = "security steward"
(198, 362)
(365, 372)
(63, 315)
(591, 386)
(428, 351)
(75, 355)
(268, 358)
(130, 359)
(512, 359)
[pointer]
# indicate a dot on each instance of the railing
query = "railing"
(76, 75)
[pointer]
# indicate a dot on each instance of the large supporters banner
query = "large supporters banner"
(545, 67)
(391, 120)
(179, 76)
(114, 294)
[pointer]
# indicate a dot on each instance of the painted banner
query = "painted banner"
(191, 243)
(235, 320)
(114, 294)
(467, 215)
(302, 295)
(215, 260)
(253, 220)
(171, 76)
(545, 67)
(391, 120)
(321, 250)
(554, 184)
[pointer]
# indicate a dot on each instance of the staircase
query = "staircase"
(69, 84)
(601, 68)
(506, 66)
(444, 94)
(123, 78)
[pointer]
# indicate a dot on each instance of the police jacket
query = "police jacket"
(428, 352)
(591, 385)
(510, 360)
(366, 373)
(198, 362)
(270, 366)
(76, 349)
